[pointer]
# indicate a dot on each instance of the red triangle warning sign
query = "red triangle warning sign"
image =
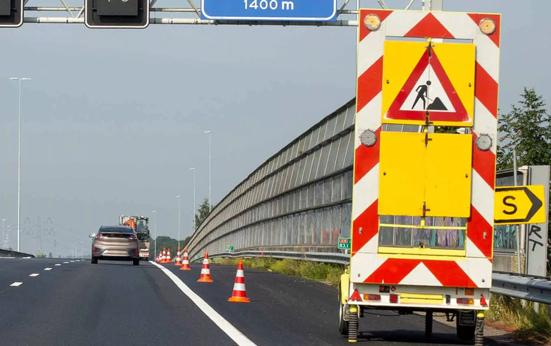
(428, 92)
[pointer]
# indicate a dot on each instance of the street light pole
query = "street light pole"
(154, 212)
(179, 220)
(192, 169)
(209, 133)
(20, 80)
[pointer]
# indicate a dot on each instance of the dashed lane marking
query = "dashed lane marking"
(16, 284)
(220, 321)
(47, 268)
(34, 275)
(65, 262)
(57, 264)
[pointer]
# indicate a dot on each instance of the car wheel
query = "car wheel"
(136, 261)
(94, 260)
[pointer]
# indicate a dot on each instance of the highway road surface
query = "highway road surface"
(114, 303)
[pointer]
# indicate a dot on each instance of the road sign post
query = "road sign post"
(292, 10)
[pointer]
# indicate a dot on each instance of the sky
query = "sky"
(114, 119)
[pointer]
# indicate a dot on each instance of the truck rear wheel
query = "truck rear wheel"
(466, 325)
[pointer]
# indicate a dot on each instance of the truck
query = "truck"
(424, 169)
(140, 224)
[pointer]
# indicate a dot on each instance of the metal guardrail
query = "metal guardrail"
(534, 289)
(531, 288)
(11, 253)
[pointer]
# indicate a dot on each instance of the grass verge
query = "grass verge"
(530, 325)
(326, 273)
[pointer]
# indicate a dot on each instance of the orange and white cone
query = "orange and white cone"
(205, 271)
(165, 256)
(239, 294)
(185, 261)
(178, 259)
(168, 256)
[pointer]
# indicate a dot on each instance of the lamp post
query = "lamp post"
(20, 81)
(209, 133)
(192, 170)
(179, 219)
(154, 212)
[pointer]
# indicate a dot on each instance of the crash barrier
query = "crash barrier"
(11, 253)
(531, 288)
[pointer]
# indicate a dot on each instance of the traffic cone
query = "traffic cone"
(205, 271)
(178, 259)
(165, 257)
(185, 261)
(239, 294)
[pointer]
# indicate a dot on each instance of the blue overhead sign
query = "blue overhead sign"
(292, 10)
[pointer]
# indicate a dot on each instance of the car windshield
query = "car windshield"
(116, 230)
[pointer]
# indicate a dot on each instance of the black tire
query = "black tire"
(343, 325)
(94, 260)
(136, 261)
(466, 332)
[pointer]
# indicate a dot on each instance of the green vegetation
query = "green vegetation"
(531, 326)
(527, 128)
(202, 213)
(326, 273)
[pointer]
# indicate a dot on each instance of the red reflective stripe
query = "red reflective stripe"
(392, 271)
(364, 31)
(369, 222)
(477, 17)
(484, 163)
(429, 27)
(369, 84)
(449, 273)
(485, 89)
(480, 233)
(366, 158)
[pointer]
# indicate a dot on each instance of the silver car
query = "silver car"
(118, 243)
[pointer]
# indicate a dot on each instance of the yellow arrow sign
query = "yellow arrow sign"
(519, 204)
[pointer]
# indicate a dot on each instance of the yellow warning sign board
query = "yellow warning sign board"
(428, 82)
(519, 204)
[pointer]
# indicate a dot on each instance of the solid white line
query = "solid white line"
(220, 321)
(48, 268)
(16, 284)
(33, 274)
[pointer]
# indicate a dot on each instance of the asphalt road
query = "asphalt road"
(115, 303)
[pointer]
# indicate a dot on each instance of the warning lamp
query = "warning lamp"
(483, 301)
(487, 26)
(368, 138)
(394, 298)
(484, 142)
(372, 22)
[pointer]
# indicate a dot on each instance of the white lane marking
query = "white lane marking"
(47, 268)
(220, 321)
(33, 274)
(57, 264)
(65, 262)
(16, 284)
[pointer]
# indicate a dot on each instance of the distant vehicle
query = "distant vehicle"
(118, 243)
(140, 224)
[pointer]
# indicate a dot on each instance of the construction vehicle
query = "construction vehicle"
(424, 176)
(140, 224)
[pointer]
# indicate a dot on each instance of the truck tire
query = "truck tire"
(343, 324)
(466, 325)
(136, 261)
(94, 260)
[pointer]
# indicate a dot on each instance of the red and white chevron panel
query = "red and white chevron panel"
(474, 270)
